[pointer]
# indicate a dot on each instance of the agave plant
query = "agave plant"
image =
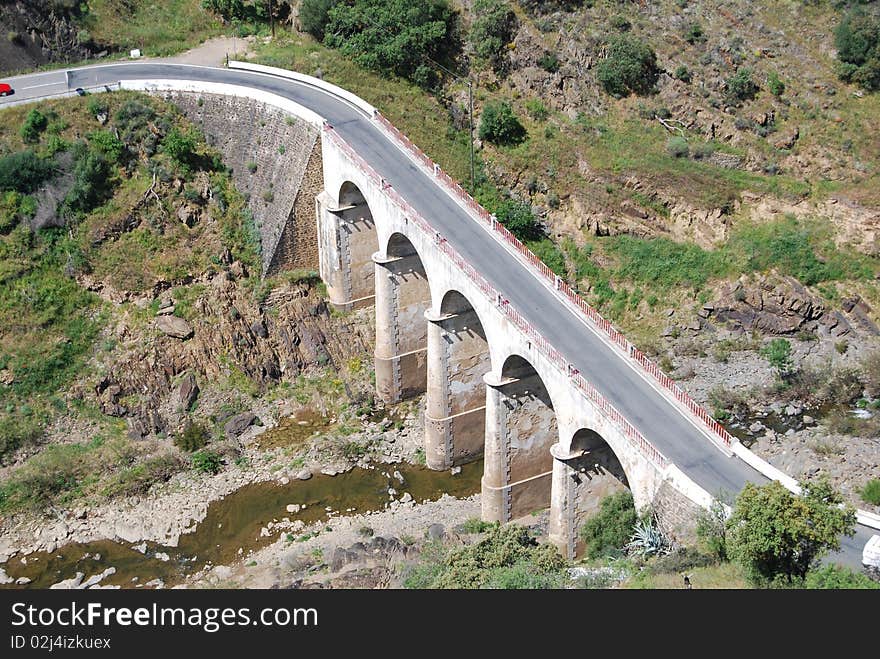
(648, 540)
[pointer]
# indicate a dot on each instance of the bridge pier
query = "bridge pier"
(402, 293)
(346, 240)
(455, 414)
(563, 500)
(520, 427)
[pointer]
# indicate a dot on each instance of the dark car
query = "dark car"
(6, 90)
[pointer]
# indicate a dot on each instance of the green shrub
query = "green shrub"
(314, 16)
(34, 124)
(629, 67)
(24, 171)
(96, 105)
(206, 461)
(682, 73)
(837, 577)
(775, 84)
(694, 33)
(871, 492)
(677, 147)
(549, 62)
(107, 144)
(394, 36)
(536, 109)
(740, 87)
(778, 353)
(712, 530)
(91, 183)
(180, 147)
(476, 525)
(620, 23)
(609, 531)
(193, 437)
(857, 40)
(519, 219)
(500, 125)
(492, 29)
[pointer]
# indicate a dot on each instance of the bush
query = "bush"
(682, 73)
(629, 67)
(712, 530)
(694, 33)
(836, 577)
(314, 16)
(23, 172)
(857, 40)
(740, 87)
(681, 560)
(207, 462)
(871, 492)
(500, 125)
(394, 36)
(193, 437)
(180, 147)
(774, 84)
(609, 531)
(536, 109)
(677, 147)
(91, 183)
(107, 144)
(549, 62)
(34, 124)
(620, 23)
(519, 219)
(491, 31)
(778, 353)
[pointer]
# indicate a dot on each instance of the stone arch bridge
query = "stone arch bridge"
(515, 367)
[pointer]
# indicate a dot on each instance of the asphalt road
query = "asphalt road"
(661, 422)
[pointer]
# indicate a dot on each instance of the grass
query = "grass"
(723, 575)
(871, 492)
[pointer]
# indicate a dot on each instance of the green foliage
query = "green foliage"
(775, 84)
(871, 492)
(180, 146)
(546, 250)
(609, 530)
(712, 530)
(499, 125)
(519, 219)
(629, 67)
(778, 353)
(491, 31)
(394, 36)
(857, 40)
(91, 183)
(837, 577)
(740, 87)
(549, 62)
(476, 525)
(537, 110)
(775, 534)
(314, 16)
(694, 33)
(677, 147)
(107, 144)
(620, 23)
(193, 437)
(682, 73)
(34, 124)
(665, 263)
(206, 461)
(508, 557)
(24, 171)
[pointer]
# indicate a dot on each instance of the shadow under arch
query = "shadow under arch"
(458, 358)
(358, 240)
(521, 427)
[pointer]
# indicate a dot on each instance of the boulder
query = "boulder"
(238, 424)
(187, 391)
(436, 532)
(174, 327)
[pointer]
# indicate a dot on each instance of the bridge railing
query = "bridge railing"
(533, 335)
(575, 301)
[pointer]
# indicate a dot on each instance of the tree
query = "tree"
(34, 124)
(857, 40)
(629, 67)
(609, 530)
(492, 30)
(180, 147)
(399, 37)
(778, 353)
(500, 125)
(314, 16)
(775, 534)
(740, 87)
(519, 219)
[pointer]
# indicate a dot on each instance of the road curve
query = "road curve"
(661, 422)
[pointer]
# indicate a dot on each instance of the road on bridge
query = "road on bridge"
(652, 413)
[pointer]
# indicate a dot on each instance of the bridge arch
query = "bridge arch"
(521, 427)
(403, 295)
(458, 358)
(346, 256)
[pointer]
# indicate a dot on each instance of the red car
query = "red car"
(5, 90)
